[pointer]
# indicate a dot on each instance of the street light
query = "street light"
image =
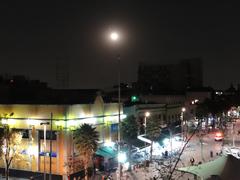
(147, 114)
(182, 121)
(114, 36)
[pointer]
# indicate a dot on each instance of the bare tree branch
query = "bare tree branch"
(180, 154)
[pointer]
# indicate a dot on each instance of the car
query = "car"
(218, 136)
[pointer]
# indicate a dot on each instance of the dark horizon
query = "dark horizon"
(35, 36)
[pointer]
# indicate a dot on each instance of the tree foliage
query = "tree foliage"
(10, 143)
(10, 146)
(153, 131)
(85, 138)
(129, 129)
(153, 128)
(214, 106)
(167, 169)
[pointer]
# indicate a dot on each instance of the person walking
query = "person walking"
(192, 161)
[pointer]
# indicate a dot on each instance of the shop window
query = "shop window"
(48, 135)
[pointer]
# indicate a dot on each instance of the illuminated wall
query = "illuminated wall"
(65, 118)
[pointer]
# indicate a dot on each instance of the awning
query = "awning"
(224, 167)
(106, 152)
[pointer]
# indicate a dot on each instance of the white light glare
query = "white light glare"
(122, 157)
(123, 116)
(32, 150)
(109, 144)
(8, 121)
(126, 165)
(32, 122)
(4, 121)
(147, 114)
(114, 36)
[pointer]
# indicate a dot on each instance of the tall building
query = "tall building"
(158, 78)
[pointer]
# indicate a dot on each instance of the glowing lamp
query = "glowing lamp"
(122, 157)
(32, 122)
(114, 36)
(147, 114)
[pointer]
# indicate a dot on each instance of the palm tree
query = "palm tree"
(85, 138)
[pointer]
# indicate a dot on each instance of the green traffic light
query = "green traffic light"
(134, 98)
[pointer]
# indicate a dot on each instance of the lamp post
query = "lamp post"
(114, 36)
(183, 123)
(146, 115)
(44, 146)
(233, 137)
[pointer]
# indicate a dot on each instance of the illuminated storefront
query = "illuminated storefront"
(65, 118)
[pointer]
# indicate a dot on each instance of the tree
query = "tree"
(10, 146)
(153, 131)
(85, 138)
(129, 129)
(10, 142)
(214, 106)
(167, 169)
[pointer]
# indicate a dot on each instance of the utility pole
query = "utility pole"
(233, 137)
(119, 115)
(170, 133)
(50, 169)
(45, 143)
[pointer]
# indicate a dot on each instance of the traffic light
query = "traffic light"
(134, 98)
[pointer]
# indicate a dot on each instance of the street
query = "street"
(202, 148)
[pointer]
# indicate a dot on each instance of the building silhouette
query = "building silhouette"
(160, 78)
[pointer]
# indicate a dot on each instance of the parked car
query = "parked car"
(218, 136)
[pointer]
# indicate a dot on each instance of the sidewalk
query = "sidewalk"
(149, 173)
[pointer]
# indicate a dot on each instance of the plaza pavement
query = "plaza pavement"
(193, 150)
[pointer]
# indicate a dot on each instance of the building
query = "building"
(158, 78)
(165, 113)
(194, 97)
(65, 118)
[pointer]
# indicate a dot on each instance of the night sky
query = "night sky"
(36, 35)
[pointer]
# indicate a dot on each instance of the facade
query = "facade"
(165, 113)
(65, 118)
(193, 98)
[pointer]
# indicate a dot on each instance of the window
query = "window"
(25, 133)
(48, 135)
